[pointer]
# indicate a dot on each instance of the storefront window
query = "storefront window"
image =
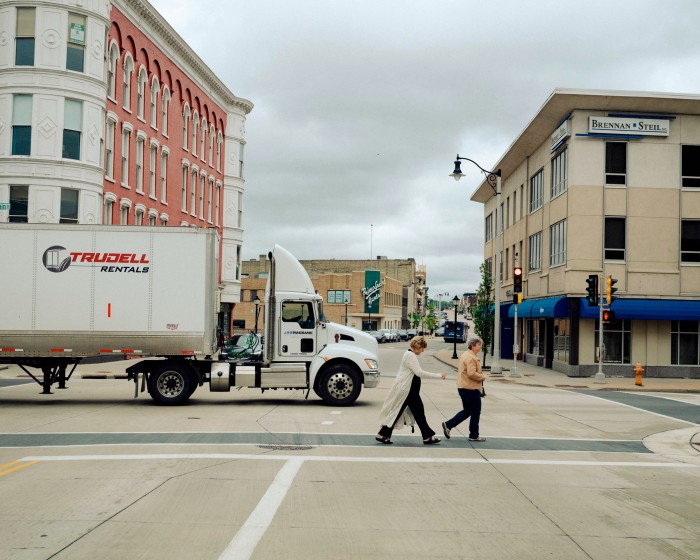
(535, 337)
(685, 343)
(617, 337)
(562, 340)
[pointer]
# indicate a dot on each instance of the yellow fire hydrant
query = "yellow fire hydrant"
(638, 371)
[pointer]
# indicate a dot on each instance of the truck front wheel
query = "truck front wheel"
(171, 384)
(339, 385)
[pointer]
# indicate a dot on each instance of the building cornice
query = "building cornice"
(145, 13)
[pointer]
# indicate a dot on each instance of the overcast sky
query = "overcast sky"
(362, 105)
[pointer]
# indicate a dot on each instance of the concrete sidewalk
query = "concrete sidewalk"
(542, 377)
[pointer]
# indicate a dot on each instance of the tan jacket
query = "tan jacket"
(469, 374)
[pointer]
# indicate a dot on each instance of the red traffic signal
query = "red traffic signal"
(608, 315)
(517, 280)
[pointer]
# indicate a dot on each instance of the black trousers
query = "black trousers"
(415, 405)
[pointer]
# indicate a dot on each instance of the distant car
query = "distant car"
(397, 335)
(440, 331)
(241, 347)
(412, 333)
(378, 335)
(388, 335)
(403, 334)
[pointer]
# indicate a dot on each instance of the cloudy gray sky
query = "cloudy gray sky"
(362, 105)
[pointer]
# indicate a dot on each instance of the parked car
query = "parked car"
(440, 331)
(397, 335)
(379, 335)
(403, 334)
(412, 333)
(388, 335)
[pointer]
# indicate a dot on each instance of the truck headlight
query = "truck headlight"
(371, 364)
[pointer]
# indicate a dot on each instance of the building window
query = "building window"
(126, 86)
(109, 148)
(218, 202)
(21, 125)
(139, 163)
(212, 136)
(536, 190)
(112, 71)
(163, 220)
(690, 241)
(240, 209)
(203, 141)
(562, 340)
(124, 215)
(24, 37)
(559, 174)
(185, 173)
(152, 170)
(138, 217)
(617, 337)
(152, 219)
(690, 166)
(75, 55)
(202, 181)
(219, 143)
(126, 146)
(109, 208)
(155, 89)
(19, 204)
(210, 196)
(195, 127)
(69, 206)
(185, 125)
(164, 176)
(488, 228)
(165, 105)
(557, 244)
(615, 163)
(193, 193)
(535, 262)
(72, 126)
(685, 343)
(140, 93)
(615, 239)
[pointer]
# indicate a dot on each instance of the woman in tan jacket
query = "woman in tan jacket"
(470, 382)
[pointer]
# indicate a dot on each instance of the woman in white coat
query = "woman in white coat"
(403, 405)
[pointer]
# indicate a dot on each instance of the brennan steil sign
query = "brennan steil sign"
(624, 125)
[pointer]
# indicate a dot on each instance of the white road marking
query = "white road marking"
(243, 544)
(327, 422)
(338, 459)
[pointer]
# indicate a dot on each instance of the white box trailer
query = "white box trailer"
(68, 292)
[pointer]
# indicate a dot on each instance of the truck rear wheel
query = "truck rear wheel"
(339, 385)
(171, 384)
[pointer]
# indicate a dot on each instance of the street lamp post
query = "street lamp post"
(493, 178)
(454, 331)
(257, 312)
(346, 312)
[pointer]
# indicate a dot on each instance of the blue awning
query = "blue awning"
(547, 307)
(648, 309)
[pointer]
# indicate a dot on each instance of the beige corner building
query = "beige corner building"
(603, 183)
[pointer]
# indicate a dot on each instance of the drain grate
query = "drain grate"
(285, 447)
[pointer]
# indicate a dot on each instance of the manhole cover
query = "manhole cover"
(284, 447)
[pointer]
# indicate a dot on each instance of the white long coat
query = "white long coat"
(398, 394)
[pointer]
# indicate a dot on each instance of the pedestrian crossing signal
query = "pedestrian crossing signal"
(608, 316)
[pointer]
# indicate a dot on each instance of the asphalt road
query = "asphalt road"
(91, 472)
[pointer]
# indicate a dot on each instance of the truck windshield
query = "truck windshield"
(321, 314)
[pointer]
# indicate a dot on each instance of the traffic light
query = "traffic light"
(592, 289)
(608, 315)
(517, 298)
(517, 280)
(610, 289)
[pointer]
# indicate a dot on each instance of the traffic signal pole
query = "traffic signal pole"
(600, 376)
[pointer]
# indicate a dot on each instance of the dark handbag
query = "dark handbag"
(483, 391)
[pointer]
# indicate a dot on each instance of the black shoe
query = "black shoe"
(445, 430)
(382, 439)
(431, 441)
(477, 439)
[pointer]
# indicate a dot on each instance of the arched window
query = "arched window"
(112, 71)
(195, 126)
(203, 141)
(212, 136)
(185, 125)
(141, 92)
(126, 91)
(219, 143)
(155, 90)
(164, 110)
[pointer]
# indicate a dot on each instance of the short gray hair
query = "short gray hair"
(473, 341)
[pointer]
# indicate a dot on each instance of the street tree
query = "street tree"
(481, 312)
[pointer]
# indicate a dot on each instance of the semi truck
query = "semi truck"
(70, 292)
